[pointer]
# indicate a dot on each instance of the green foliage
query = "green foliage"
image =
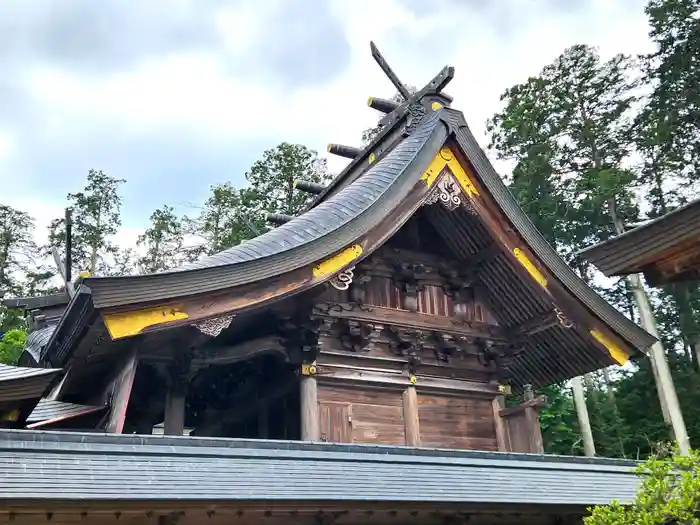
(272, 178)
(575, 132)
(96, 218)
(560, 431)
(229, 216)
(17, 248)
(668, 130)
(11, 345)
(567, 129)
(669, 493)
(163, 241)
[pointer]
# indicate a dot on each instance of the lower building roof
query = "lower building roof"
(673, 239)
(20, 383)
(81, 466)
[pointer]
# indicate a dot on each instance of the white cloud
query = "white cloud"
(197, 93)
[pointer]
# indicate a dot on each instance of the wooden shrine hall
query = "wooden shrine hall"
(351, 365)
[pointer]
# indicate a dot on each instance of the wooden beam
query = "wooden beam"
(410, 417)
(404, 319)
(536, 403)
(226, 355)
(534, 325)
(120, 392)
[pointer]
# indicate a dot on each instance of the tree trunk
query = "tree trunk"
(583, 419)
(668, 397)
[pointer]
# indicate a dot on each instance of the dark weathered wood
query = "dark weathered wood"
(500, 424)
(410, 416)
(457, 422)
(537, 402)
(494, 219)
(402, 318)
(226, 355)
(120, 392)
(174, 424)
(368, 415)
(523, 424)
(535, 325)
(244, 406)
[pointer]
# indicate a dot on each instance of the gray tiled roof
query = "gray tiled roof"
(73, 466)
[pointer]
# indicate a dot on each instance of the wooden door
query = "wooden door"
(336, 423)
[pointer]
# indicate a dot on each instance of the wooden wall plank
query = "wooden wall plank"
(454, 422)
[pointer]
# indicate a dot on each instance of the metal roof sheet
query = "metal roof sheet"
(48, 411)
(74, 466)
(20, 383)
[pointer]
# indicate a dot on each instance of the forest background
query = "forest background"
(581, 134)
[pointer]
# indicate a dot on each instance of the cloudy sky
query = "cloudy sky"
(175, 95)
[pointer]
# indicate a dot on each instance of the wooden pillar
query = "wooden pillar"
(500, 424)
(310, 424)
(120, 389)
(174, 424)
(410, 417)
(179, 374)
(532, 417)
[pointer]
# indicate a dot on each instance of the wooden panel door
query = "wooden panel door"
(335, 422)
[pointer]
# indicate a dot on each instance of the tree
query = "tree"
(17, 247)
(272, 177)
(11, 345)
(668, 130)
(669, 493)
(229, 216)
(567, 129)
(667, 136)
(163, 241)
(96, 217)
(560, 432)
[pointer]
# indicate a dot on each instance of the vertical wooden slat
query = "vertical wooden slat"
(410, 417)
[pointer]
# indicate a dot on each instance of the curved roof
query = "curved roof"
(306, 239)
(627, 328)
(36, 341)
(359, 203)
